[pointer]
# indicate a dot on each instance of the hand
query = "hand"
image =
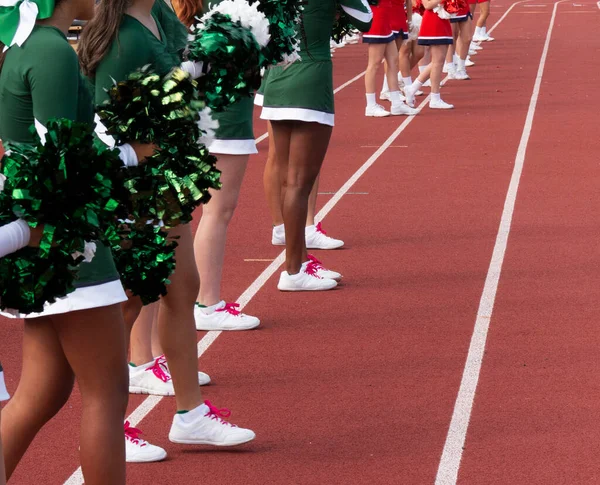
(35, 236)
(143, 150)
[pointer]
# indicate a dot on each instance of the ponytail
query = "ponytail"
(99, 33)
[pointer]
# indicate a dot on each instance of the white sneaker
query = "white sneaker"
(376, 111)
(478, 38)
(419, 93)
(138, 450)
(307, 279)
(440, 104)
(155, 379)
(225, 317)
(317, 238)
(469, 62)
(352, 39)
(461, 75)
(410, 93)
(427, 84)
(205, 426)
(324, 272)
(278, 236)
(385, 95)
(473, 52)
(475, 46)
(403, 109)
(487, 38)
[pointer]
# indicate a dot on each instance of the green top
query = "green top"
(133, 47)
(175, 31)
(39, 81)
(316, 27)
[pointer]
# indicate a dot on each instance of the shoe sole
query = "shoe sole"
(434, 107)
(219, 329)
(404, 114)
(371, 116)
(306, 289)
(154, 460)
(210, 443)
(336, 246)
(139, 390)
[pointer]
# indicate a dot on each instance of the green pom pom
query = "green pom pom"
(342, 25)
(234, 56)
(284, 17)
(69, 185)
(145, 260)
(172, 183)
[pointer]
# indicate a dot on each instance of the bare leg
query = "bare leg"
(305, 145)
(404, 59)
(176, 324)
(272, 182)
(391, 60)
(376, 55)
(2, 470)
(417, 53)
(438, 53)
(209, 244)
(484, 13)
(141, 336)
(44, 387)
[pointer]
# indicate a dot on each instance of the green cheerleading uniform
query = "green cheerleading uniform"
(303, 91)
(259, 97)
(41, 80)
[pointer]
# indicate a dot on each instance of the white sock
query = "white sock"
(435, 97)
(416, 85)
(407, 81)
(385, 85)
(371, 99)
(455, 59)
(483, 30)
(460, 64)
(478, 31)
(280, 228)
(313, 228)
(395, 98)
(194, 414)
(209, 310)
(449, 65)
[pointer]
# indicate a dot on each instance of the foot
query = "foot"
(317, 238)
(475, 46)
(403, 109)
(472, 52)
(461, 75)
(376, 111)
(225, 317)
(479, 38)
(205, 426)
(155, 379)
(322, 271)
(138, 450)
(469, 62)
(385, 95)
(307, 279)
(410, 93)
(419, 93)
(440, 104)
(487, 38)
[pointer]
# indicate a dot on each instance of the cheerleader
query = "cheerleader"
(298, 100)
(3, 397)
(435, 32)
(382, 45)
(233, 145)
(80, 336)
(125, 35)
(461, 30)
(481, 34)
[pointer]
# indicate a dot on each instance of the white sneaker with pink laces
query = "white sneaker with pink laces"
(322, 271)
(307, 279)
(226, 316)
(206, 425)
(317, 238)
(155, 379)
(138, 450)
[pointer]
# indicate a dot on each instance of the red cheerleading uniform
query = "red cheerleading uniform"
(434, 30)
(399, 22)
(381, 31)
(473, 2)
(463, 14)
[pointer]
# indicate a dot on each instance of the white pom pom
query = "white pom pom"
(89, 251)
(2, 179)
(207, 126)
(248, 15)
(441, 12)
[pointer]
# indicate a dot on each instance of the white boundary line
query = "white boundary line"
(151, 402)
(447, 473)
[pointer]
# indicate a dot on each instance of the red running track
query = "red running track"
(358, 385)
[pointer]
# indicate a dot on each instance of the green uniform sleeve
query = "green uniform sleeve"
(54, 85)
(360, 13)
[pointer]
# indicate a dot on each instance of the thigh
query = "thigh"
(185, 282)
(391, 52)
(484, 8)
(376, 53)
(282, 134)
(308, 146)
(438, 53)
(93, 342)
(233, 168)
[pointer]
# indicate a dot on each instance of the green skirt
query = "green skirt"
(235, 135)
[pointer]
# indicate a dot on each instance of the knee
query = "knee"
(223, 213)
(43, 407)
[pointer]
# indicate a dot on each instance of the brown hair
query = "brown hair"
(99, 33)
(187, 10)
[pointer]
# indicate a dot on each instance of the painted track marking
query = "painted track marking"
(203, 345)
(447, 473)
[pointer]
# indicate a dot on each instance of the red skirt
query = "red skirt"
(434, 30)
(381, 31)
(399, 22)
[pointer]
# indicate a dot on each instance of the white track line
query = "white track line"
(447, 473)
(264, 136)
(152, 401)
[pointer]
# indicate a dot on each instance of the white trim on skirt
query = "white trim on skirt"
(96, 296)
(299, 114)
(4, 396)
(259, 99)
(233, 147)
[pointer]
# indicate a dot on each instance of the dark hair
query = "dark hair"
(99, 33)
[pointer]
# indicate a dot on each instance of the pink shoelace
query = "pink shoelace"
(218, 414)
(133, 435)
(312, 269)
(231, 308)
(160, 369)
(315, 261)
(319, 228)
